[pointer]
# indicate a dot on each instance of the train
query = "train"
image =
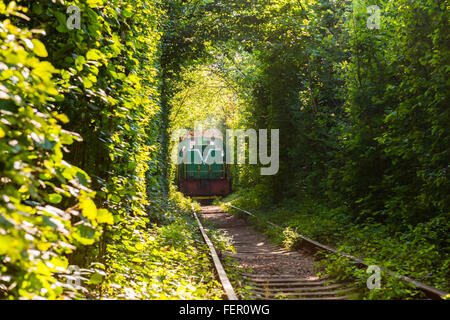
(202, 172)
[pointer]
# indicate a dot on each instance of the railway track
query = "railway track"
(276, 273)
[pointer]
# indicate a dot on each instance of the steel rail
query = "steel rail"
(226, 284)
(431, 292)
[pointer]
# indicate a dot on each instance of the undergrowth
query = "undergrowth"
(413, 253)
(169, 260)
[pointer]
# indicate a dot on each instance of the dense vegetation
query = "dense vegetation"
(81, 145)
(364, 123)
(363, 117)
(86, 116)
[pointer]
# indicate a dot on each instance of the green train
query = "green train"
(203, 172)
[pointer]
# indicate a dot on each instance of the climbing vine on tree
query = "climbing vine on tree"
(80, 149)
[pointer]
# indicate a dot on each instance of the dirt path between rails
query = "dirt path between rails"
(254, 251)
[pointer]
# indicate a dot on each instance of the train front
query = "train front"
(203, 172)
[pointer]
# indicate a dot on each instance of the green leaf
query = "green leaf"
(94, 54)
(104, 216)
(61, 117)
(139, 246)
(54, 198)
(127, 13)
(96, 278)
(89, 209)
(84, 234)
(94, 3)
(39, 48)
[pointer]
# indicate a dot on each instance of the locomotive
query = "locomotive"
(202, 172)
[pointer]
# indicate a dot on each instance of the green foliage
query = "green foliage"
(170, 261)
(80, 156)
(85, 114)
(363, 118)
(202, 97)
(420, 252)
(41, 194)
